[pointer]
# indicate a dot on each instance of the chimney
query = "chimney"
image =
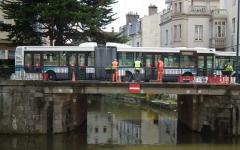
(152, 9)
(131, 17)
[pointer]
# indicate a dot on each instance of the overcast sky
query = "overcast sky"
(139, 6)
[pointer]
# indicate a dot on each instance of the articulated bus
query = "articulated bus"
(90, 61)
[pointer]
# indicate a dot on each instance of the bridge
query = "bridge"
(103, 87)
(45, 106)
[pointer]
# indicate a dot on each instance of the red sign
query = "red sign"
(134, 88)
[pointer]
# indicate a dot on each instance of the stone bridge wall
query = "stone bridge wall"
(218, 114)
(29, 110)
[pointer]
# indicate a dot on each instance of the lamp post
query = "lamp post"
(237, 54)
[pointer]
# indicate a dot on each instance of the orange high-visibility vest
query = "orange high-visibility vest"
(115, 64)
(160, 64)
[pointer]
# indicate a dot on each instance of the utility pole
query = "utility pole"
(237, 54)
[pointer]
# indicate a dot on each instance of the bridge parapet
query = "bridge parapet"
(100, 87)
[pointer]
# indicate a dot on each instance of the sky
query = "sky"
(122, 7)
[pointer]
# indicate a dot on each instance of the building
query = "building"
(150, 28)
(193, 23)
(143, 32)
(6, 47)
(231, 34)
(132, 29)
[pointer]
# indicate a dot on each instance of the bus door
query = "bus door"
(205, 65)
(72, 64)
(81, 66)
(104, 56)
(149, 66)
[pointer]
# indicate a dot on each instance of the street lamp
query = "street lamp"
(237, 54)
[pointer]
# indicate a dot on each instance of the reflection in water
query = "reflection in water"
(107, 126)
(115, 126)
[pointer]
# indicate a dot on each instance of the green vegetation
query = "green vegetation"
(155, 98)
(58, 21)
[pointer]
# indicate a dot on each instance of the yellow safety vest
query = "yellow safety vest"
(137, 64)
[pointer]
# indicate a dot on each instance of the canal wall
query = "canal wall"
(28, 109)
(216, 114)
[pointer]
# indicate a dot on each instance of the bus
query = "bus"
(90, 61)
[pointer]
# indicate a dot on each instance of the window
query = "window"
(233, 25)
(180, 6)
(125, 59)
(166, 42)
(220, 29)
(198, 32)
(175, 7)
(171, 61)
(175, 32)
(28, 59)
(187, 61)
(81, 59)
(222, 61)
(51, 59)
(72, 59)
(201, 62)
(209, 62)
(96, 129)
(104, 129)
(180, 31)
(36, 59)
(138, 44)
(148, 61)
(63, 57)
(90, 59)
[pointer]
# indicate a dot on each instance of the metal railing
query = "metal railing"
(105, 74)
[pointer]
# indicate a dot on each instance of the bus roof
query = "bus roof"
(58, 48)
(165, 49)
(218, 53)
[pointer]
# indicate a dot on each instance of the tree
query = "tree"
(23, 31)
(60, 21)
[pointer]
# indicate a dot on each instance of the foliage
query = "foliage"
(57, 21)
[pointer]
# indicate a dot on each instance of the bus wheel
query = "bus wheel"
(51, 76)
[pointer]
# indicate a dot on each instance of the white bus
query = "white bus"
(89, 61)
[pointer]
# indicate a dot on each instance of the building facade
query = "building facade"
(143, 32)
(195, 23)
(231, 39)
(6, 47)
(132, 29)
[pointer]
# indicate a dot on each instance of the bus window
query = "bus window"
(51, 59)
(148, 61)
(187, 61)
(156, 57)
(28, 60)
(222, 61)
(125, 59)
(171, 61)
(63, 59)
(201, 62)
(138, 56)
(90, 59)
(72, 59)
(209, 62)
(36, 60)
(81, 59)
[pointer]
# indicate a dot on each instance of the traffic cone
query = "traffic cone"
(73, 77)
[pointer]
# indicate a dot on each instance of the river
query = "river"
(115, 125)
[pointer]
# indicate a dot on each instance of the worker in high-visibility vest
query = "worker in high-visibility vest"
(137, 65)
(160, 69)
(115, 72)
